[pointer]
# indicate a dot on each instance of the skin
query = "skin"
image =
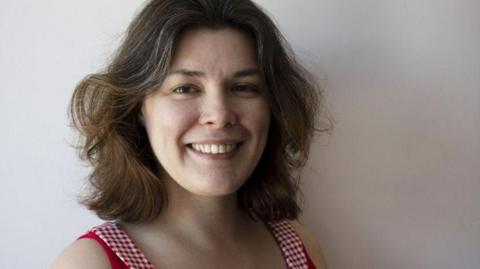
(213, 94)
(86, 253)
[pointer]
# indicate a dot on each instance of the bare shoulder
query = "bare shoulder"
(83, 253)
(311, 244)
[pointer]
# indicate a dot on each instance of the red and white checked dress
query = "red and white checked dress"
(124, 254)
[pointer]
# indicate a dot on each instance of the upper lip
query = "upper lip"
(216, 141)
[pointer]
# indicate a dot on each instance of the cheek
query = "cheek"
(259, 117)
(256, 119)
(167, 121)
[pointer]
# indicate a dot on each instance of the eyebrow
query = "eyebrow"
(238, 74)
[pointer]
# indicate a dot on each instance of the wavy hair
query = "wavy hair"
(127, 182)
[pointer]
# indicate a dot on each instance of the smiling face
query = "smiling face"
(208, 122)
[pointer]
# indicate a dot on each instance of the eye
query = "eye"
(184, 89)
(246, 89)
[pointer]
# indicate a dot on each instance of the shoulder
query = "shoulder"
(311, 244)
(83, 253)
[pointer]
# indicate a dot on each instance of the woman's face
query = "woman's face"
(208, 122)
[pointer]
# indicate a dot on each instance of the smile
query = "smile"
(214, 148)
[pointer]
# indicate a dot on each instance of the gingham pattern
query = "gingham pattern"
(122, 246)
(290, 244)
(119, 242)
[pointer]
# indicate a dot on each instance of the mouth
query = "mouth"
(227, 149)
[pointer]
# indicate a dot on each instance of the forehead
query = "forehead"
(225, 50)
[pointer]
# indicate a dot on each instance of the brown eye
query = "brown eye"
(246, 89)
(184, 90)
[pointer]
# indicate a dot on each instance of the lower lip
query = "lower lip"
(219, 156)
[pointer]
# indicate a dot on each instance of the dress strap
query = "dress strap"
(119, 242)
(290, 244)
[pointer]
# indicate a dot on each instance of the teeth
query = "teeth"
(206, 148)
(221, 148)
(214, 148)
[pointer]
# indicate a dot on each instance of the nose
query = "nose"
(217, 111)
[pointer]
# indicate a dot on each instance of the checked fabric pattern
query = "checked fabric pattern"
(123, 247)
(290, 244)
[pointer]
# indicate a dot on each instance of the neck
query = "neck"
(210, 221)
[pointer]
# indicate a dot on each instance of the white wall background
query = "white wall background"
(396, 186)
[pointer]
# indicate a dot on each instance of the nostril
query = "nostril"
(220, 121)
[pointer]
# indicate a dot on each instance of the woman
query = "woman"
(193, 132)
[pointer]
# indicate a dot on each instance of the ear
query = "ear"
(141, 116)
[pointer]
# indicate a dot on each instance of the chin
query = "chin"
(217, 187)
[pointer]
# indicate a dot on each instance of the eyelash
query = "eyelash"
(176, 90)
(249, 87)
(243, 88)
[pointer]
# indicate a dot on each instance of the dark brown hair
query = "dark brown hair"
(127, 180)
